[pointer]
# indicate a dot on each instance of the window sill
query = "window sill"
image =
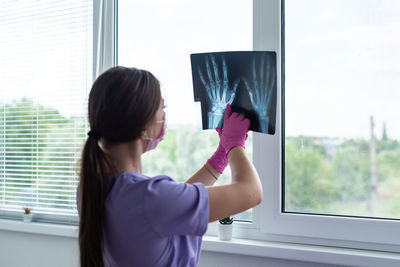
(247, 247)
(300, 252)
(39, 228)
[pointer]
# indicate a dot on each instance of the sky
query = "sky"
(342, 66)
(160, 36)
(342, 59)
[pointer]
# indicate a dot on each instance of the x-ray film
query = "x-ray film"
(246, 80)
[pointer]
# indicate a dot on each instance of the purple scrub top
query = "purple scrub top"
(154, 221)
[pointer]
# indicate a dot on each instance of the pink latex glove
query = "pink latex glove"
(218, 160)
(234, 131)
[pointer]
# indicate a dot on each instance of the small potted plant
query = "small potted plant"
(225, 229)
(27, 216)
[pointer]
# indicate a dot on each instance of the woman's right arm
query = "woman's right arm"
(245, 191)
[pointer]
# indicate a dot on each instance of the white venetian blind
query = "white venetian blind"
(46, 65)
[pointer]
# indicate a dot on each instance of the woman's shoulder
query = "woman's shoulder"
(133, 177)
(130, 179)
(132, 186)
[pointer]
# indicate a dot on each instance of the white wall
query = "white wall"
(211, 259)
(18, 249)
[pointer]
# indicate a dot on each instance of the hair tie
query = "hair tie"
(94, 135)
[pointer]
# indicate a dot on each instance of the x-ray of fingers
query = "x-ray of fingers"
(246, 80)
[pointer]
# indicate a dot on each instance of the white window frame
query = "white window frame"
(105, 35)
(270, 223)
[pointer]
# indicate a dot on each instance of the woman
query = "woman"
(129, 219)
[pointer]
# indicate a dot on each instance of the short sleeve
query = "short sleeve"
(176, 208)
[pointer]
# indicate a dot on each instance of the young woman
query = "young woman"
(129, 219)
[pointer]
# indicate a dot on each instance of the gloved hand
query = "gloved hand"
(219, 159)
(234, 131)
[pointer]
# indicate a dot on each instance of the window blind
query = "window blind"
(46, 65)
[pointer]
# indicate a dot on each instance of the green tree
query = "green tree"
(384, 133)
(309, 181)
(351, 167)
(183, 151)
(38, 157)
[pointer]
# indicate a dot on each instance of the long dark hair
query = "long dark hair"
(122, 102)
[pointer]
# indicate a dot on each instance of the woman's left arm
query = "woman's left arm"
(207, 175)
(214, 167)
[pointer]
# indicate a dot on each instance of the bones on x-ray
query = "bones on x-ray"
(246, 80)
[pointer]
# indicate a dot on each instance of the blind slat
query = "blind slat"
(48, 154)
(47, 163)
(40, 175)
(42, 186)
(42, 130)
(43, 189)
(10, 171)
(67, 201)
(21, 194)
(46, 180)
(9, 159)
(52, 204)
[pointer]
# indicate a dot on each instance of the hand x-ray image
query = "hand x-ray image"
(246, 80)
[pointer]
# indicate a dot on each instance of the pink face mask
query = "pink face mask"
(153, 142)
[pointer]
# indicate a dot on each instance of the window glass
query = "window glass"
(342, 69)
(46, 71)
(159, 36)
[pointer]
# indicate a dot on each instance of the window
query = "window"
(336, 178)
(343, 159)
(46, 71)
(160, 36)
(339, 184)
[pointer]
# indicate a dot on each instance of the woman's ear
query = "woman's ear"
(143, 133)
(104, 145)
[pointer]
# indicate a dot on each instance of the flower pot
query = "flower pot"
(27, 217)
(225, 232)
